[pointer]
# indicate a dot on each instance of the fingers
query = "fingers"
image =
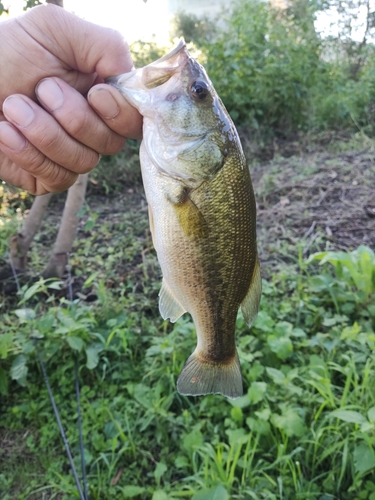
(35, 141)
(80, 44)
(49, 147)
(115, 111)
(24, 164)
(17, 176)
(72, 112)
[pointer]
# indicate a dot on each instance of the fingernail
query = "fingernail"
(50, 94)
(104, 103)
(11, 138)
(17, 110)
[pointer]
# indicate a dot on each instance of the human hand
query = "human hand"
(48, 132)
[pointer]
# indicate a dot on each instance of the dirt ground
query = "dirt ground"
(318, 200)
(313, 201)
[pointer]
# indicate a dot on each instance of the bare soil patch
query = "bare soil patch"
(320, 200)
(315, 200)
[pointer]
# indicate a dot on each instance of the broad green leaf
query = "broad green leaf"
(159, 470)
(264, 322)
(277, 376)
(256, 392)
(281, 346)
(45, 323)
(216, 493)
(28, 347)
(241, 402)
(236, 414)
(132, 491)
(283, 328)
(159, 495)
(90, 279)
(181, 462)
(25, 314)
(367, 426)
(237, 436)
(263, 414)
(92, 353)
(5, 343)
(258, 425)
(89, 225)
(75, 343)
(371, 414)
(18, 370)
(290, 422)
(143, 395)
(192, 441)
(33, 289)
(364, 458)
(55, 285)
(298, 333)
(351, 416)
(351, 332)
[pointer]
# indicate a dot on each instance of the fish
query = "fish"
(202, 213)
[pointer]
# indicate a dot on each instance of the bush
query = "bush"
(263, 66)
(273, 71)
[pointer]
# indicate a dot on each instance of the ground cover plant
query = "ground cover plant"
(304, 428)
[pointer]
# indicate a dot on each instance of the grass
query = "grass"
(304, 429)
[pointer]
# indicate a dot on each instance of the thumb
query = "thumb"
(81, 45)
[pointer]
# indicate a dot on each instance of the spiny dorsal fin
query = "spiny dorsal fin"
(250, 304)
(169, 306)
(201, 377)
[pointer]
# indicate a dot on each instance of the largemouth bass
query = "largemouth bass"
(202, 213)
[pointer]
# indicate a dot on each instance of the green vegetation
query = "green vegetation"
(304, 428)
(275, 72)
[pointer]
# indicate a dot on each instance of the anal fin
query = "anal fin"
(250, 304)
(169, 306)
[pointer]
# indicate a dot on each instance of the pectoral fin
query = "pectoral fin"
(250, 304)
(190, 217)
(169, 306)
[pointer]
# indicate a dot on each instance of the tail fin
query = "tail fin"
(201, 377)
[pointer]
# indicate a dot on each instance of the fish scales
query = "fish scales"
(202, 214)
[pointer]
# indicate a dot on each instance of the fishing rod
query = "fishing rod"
(83, 494)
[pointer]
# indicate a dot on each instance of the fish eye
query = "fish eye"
(199, 89)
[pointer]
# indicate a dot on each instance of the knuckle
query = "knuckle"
(84, 160)
(112, 144)
(76, 123)
(49, 175)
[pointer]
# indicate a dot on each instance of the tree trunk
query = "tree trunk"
(20, 243)
(67, 230)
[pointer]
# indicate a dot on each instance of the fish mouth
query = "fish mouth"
(157, 72)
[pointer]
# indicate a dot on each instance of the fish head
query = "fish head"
(187, 130)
